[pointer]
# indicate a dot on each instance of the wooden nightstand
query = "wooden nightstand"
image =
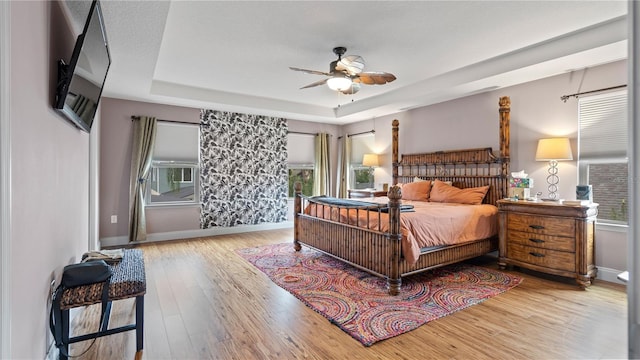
(549, 237)
(365, 193)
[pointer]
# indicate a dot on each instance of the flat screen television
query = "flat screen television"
(80, 82)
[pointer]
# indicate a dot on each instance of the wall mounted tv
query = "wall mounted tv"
(81, 81)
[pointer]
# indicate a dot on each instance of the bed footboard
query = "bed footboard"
(376, 252)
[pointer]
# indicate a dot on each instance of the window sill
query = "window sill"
(612, 227)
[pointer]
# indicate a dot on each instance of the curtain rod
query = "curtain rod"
(360, 133)
(301, 133)
(135, 117)
(566, 97)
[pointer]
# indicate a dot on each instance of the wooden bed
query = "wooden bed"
(380, 253)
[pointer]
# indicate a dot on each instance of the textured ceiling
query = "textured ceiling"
(235, 55)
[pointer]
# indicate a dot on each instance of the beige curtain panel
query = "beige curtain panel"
(144, 138)
(344, 162)
(322, 176)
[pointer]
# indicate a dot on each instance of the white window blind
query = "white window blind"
(177, 142)
(360, 145)
(603, 126)
(300, 149)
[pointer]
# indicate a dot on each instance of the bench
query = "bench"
(127, 281)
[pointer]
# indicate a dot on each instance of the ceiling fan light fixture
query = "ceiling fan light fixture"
(339, 83)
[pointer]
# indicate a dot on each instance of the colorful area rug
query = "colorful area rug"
(358, 302)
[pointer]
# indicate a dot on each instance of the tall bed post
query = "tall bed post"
(394, 149)
(394, 279)
(505, 111)
(297, 207)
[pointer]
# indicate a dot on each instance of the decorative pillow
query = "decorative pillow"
(418, 191)
(443, 192)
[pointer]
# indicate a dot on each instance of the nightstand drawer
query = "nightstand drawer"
(547, 258)
(542, 224)
(542, 241)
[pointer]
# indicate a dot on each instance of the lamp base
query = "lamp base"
(553, 180)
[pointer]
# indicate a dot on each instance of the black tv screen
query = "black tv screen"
(81, 81)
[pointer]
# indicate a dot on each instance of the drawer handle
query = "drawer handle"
(537, 227)
(536, 254)
(537, 241)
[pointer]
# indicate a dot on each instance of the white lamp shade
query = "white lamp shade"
(339, 83)
(554, 149)
(370, 160)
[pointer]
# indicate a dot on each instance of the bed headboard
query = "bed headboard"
(464, 168)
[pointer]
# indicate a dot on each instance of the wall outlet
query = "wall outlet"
(114, 219)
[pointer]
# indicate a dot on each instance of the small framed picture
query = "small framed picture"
(583, 192)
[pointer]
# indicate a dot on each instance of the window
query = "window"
(300, 162)
(602, 146)
(172, 183)
(174, 175)
(362, 177)
(304, 175)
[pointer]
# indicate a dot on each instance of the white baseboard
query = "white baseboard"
(187, 234)
(52, 352)
(610, 275)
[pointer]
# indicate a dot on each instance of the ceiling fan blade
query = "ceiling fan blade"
(321, 82)
(315, 72)
(374, 78)
(352, 64)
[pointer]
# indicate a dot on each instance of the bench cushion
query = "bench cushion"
(128, 280)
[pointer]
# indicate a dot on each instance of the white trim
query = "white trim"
(611, 227)
(5, 180)
(94, 182)
(187, 234)
(52, 352)
(633, 286)
(609, 275)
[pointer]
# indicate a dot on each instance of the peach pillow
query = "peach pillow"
(416, 191)
(442, 192)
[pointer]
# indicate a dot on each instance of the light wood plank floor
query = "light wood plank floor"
(205, 302)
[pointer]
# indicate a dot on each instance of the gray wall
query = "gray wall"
(49, 175)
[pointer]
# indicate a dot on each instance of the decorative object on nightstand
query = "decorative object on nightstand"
(553, 150)
(584, 192)
(520, 186)
(549, 237)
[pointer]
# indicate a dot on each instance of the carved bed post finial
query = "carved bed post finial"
(297, 207)
(394, 150)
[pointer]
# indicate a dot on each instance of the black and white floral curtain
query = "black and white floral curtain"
(243, 174)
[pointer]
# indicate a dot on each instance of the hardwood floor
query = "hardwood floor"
(205, 302)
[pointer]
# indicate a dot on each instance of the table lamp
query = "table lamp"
(553, 150)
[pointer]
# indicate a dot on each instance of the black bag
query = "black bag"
(75, 275)
(86, 273)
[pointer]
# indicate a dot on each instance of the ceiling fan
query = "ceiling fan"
(346, 75)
